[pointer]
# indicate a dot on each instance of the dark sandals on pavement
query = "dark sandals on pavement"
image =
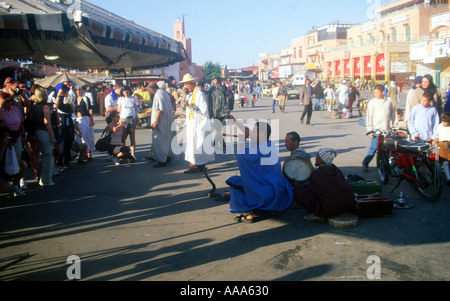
(244, 218)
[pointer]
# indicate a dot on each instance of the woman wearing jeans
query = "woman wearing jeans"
(40, 116)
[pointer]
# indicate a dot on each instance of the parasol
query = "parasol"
(80, 35)
(52, 81)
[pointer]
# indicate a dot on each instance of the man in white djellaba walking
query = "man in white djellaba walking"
(199, 138)
(162, 118)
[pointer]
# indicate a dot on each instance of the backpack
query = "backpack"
(104, 142)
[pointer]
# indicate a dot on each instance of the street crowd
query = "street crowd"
(47, 130)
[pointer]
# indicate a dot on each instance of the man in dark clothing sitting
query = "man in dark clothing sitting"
(328, 192)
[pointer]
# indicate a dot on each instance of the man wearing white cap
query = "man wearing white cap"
(199, 142)
(328, 192)
(343, 94)
(162, 119)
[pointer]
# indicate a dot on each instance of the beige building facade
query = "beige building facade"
(408, 38)
(391, 47)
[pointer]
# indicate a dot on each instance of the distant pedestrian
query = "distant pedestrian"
(199, 148)
(112, 98)
(230, 98)
(64, 105)
(258, 91)
(372, 85)
(428, 85)
(381, 115)
(306, 102)
(352, 94)
(127, 107)
(85, 119)
(274, 93)
(217, 101)
(411, 99)
(393, 93)
(330, 97)
(424, 120)
(40, 117)
(162, 119)
(343, 93)
(282, 96)
(319, 93)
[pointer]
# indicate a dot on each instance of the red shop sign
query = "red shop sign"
(330, 69)
(338, 68)
(367, 65)
(357, 66)
(380, 67)
(347, 68)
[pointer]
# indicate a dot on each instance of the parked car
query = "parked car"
(293, 92)
(266, 88)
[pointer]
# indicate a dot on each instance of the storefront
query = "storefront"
(357, 67)
(347, 68)
(330, 70)
(367, 67)
(338, 69)
(380, 67)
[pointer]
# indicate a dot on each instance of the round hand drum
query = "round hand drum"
(145, 113)
(297, 169)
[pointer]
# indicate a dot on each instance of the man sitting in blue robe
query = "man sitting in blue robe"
(262, 185)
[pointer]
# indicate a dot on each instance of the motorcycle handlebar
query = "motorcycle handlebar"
(380, 132)
(377, 132)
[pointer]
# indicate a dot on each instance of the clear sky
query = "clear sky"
(234, 32)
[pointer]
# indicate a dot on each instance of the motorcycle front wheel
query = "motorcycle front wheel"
(383, 167)
(429, 182)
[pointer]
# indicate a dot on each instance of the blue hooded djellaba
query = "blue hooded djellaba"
(261, 186)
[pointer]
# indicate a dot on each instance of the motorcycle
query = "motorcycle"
(414, 162)
(242, 101)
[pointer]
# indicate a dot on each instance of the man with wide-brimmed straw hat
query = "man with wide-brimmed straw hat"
(199, 144)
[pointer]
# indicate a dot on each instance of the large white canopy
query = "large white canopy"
(78, 34)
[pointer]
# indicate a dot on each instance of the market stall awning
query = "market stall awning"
(52, 81)
(80, 35)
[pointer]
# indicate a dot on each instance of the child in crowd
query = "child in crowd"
(443, 131)
(401, 123)
(424, 120)
(380, 116)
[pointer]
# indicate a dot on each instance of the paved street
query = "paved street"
(142, 223)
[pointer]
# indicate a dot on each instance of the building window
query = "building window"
(382, 36)
(300, 52)
(407, 32)
(394, 34)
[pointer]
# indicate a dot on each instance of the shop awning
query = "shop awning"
(80, 35)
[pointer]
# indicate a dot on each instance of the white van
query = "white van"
(300, 78)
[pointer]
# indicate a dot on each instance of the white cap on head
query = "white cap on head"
(327, 155)
(161, 84)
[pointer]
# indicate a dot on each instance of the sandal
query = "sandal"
(244, 218)
(237, 218)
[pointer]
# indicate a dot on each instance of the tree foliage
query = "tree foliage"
(211, 70)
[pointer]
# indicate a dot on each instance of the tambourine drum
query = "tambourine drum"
(145, 113)
(297, 169)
